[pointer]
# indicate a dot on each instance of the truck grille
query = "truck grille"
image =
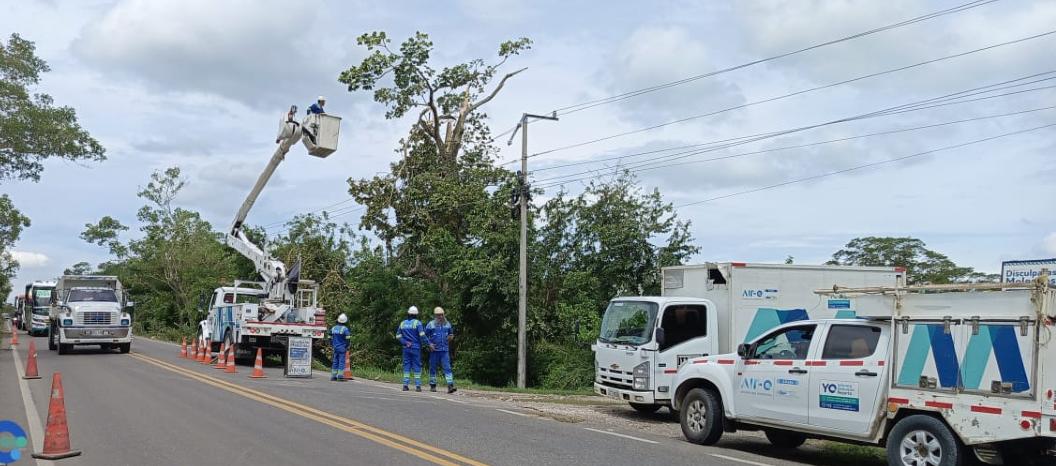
(615, 378)
(96, 318)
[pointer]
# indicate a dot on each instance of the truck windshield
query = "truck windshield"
(628, 322)
(42, 298)
(92, 295)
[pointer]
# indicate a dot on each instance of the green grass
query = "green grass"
(861, 454)
(394, 376)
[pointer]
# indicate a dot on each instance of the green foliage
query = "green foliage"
(12, 222)
(80, 268)
(922, 264)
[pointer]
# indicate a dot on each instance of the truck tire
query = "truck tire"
(785, 439)
(923, 440)
(124, 348)
(644, 408)
(53, 338)
(64, 348)
(702, 417)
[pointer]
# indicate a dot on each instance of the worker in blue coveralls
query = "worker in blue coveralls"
(339, 336)
(440, 333)
(411, 335)
(317, 107)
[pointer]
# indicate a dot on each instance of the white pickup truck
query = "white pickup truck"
(932, 374)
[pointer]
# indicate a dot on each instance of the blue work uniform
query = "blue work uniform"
(437, 334)
(411, 334)
(315, 108)
(339, 336)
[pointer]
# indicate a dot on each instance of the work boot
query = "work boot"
(418, 388)
(405, 388)
(451, 389)
(432, 387)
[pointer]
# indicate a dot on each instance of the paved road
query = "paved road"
(150, 407)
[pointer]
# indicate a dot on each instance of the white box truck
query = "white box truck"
(90, 310)
(709, 309)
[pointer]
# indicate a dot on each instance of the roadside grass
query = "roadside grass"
(851, 454)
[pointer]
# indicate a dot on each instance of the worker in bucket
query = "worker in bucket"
(339, 336)
(411, 334)
(440, 333)
(317, 107)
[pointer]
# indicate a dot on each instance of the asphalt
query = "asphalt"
(153, 408)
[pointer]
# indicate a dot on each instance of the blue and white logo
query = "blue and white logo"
(12, 441)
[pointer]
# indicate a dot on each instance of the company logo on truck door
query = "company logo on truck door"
(756, 386)
(842, 396)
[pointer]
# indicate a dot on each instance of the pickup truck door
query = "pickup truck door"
(846, 381)
(772, 385)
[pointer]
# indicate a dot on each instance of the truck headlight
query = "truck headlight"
(126, 322)
(66, 322)
(641, 376)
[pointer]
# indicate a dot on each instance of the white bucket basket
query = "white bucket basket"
(320, 133)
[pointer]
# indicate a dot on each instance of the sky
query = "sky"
(201, 85)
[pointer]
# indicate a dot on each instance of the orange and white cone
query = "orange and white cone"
(230, 369)
(193, 355)
(14, 337)
(57, 434)
(207, 355)
(31, 362)
(258, 366)
(183, 348)
(221, 357)
(348, 365)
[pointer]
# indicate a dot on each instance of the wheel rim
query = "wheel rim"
(696, 416)
(920, 448)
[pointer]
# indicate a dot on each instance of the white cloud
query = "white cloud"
(30, 259)
(1049, 243)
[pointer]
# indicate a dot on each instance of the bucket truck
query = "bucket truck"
(265, 313)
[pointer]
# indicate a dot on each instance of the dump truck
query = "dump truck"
(89, 310)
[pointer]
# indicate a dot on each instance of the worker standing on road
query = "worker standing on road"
(339, 336)
(317, 107)
(411, 334)
(440, 333)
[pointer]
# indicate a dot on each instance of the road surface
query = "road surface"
(152, 408)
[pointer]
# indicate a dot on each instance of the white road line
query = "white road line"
(35, 429)
(623, 436)
(515, 413)
(456, 401)
(756, 463)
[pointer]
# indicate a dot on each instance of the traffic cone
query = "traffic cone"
(258, 366)
(348, 365)
(194, 351)
(221, 357)
(57, 433)
(207, 355)
(183, 348)
(31, 362)
(230, 369)
(14, 337)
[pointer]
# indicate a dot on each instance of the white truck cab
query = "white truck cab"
(709, 309)
(90, 310)
(934, 376)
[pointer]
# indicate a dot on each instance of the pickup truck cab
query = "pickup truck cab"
(934, 377)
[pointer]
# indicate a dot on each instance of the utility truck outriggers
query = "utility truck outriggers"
(933, 373)
(264, 314)
(708, 309)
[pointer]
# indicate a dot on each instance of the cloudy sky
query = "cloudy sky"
(200, 84)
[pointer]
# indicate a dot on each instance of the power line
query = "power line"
(792, 94)
(945, 100)
(864, 166)
(280, 222)
(626, 95)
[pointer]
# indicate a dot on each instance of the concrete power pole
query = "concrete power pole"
(522, 288)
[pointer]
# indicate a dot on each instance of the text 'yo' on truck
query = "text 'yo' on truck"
(264, 314)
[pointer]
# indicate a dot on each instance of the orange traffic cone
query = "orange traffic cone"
(230, 369)
(14, 337)
(258, 366)
(221, 357)
(207, 355)
(31, 362)
(348, 365)
(183, 348)
(194, 350)
(57, 433)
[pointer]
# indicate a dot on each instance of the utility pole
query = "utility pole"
(522, 288)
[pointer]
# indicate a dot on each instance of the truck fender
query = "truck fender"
(709, 375)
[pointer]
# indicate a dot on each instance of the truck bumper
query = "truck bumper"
(630, 396)
(94, 335)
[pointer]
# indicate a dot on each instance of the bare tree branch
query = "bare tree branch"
(498, 88)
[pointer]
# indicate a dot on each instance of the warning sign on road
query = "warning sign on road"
(299, 357)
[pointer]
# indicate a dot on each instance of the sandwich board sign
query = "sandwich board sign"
(298, 357)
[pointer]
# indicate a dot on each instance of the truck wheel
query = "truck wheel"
(64, 348)
(785, 439)
(124, 348)
(644, 408)
(53, 339)
(701, 416)
(921, 440)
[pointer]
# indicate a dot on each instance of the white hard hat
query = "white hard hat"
(438, 310)
(321, 98)
(341, 319)
(413, 310)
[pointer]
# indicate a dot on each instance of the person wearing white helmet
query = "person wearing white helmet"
(411, 334)
(317, 107)
(440, 333)
(339, 336)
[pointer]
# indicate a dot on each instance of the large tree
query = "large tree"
(922, 265)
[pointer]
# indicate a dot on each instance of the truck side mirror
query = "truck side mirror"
(660, 335)
(742, 350)
(130, 304)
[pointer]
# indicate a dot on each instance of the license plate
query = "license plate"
(99, 333)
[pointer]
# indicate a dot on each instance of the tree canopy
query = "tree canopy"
(922, 264)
